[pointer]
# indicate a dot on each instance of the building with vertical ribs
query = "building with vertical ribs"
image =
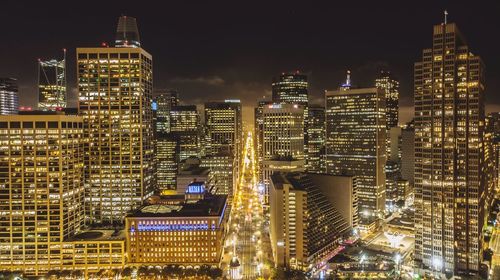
(449, 154)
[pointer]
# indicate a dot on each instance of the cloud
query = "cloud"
(212, 80)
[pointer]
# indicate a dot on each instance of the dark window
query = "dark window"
(40, 124)
(15, 125)
(53, 125)
(3, 125)
(27, 124)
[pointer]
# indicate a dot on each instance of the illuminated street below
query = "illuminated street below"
(247, 236)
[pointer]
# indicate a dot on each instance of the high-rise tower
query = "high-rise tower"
(355, 143)
(52, 84)
(449, 154)
(9, 98)
(115, 96)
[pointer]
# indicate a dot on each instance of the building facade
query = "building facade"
(355, 143)
(41, 189)
(166, 161)
(185, 126)
(9, 97)
(316, 139)
(282, 139)
(186, 232)
(115, 97)
(305, 227)
(449, 154)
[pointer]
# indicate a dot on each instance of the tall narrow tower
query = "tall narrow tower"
(52, 84)
(449, 154)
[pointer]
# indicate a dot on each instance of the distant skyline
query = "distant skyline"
(218, 50)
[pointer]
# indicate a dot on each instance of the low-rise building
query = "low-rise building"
(187, 232)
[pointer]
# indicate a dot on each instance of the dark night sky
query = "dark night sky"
(211, 50)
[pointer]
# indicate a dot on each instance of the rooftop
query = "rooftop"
(211, 205)
(98, 235)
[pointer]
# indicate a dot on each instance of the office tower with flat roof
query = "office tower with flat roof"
(115, 96)
(305, 227)
(224, 126)
(127, 33)
(408, 153)
(164, 101)
(52, 84)
(166, 159)
(450, 183)
(355, 143)
(283, 139)
(223, 168)
(185, 126)
(259, 135)
(41, 189)
(291, 88)
(316, 139)
(9, 97)
(387, 82)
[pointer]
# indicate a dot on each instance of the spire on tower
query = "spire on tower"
(127, 33)
(445, 16)
(347, 84)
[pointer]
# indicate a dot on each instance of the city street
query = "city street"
(246, 236)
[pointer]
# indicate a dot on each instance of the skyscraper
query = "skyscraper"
(185, 127)
(316, 139)
(164, 101)
(355, 143)
(224, 126)
(127, 33)
(390, 85)
(52, 84)
(259, 135)
(9, 98)
(291, 88)
(283, 139)
(115, 90)
(166, 161)
(41, 189)
(408, 153)
(449, 154)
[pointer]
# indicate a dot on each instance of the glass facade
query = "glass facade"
(51, 84)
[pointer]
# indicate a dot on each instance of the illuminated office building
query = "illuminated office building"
(166, 157)
(224, 125)
(355, 143)
(186, 231)
(316, 140)
(291, 88)
(450, 185)
(223, 168)
(115, 97)
(283, 139)
(259, 134)
(41, 189)
(9, 98)
(52, 84)
(390, 86)
(185, 126)
(164, 101)
(306, 226)
(408, 153)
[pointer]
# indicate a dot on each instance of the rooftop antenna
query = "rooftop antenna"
(445, 16)
(348, 78)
